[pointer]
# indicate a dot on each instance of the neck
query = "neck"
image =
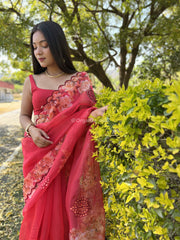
(54, 71)
(54, 75)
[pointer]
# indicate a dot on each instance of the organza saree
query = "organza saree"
(62, 192)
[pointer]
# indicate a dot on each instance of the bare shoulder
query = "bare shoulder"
(27, 86)
(27, 79)
(27, 82)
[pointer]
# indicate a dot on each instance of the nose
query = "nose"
(38, 51)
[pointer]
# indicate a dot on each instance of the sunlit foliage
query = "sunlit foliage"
(138, 141)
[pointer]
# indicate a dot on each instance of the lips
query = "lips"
(41, 59)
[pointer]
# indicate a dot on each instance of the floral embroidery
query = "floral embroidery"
(88, 235)
(45, 183)
(81, 207)
(87, 206)
(63, 98)
(69, 86)
(91, 95)
(39, 172)
(85, 85)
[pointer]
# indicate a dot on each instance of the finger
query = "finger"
(46, 137)
(47, 142)
(44, 142)
(105, 108)
(46, 145)
(90, 120)
(44, 134)
(42, 145)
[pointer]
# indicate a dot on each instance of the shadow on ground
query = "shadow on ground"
(11, 199)
(11, 182)
(10, 138)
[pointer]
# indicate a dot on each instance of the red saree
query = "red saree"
(63, 196)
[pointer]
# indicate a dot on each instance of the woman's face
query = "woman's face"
(42, 51)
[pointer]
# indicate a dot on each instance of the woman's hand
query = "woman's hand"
(96, 113)
(39, 137)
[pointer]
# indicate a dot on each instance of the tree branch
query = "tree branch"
(106, 58)
(131, 18)
(95, 67)
(105, 37)
(155, 13)
(112, 59)
(116, 11)
(75, 10)
(107, 10)
(12, 10)
(61, 4)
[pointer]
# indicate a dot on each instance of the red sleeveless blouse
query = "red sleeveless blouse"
(67, 93)
(39, 96)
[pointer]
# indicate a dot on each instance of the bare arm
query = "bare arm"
(26, 105)
(39, 137)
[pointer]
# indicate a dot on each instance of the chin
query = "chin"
(43, 65)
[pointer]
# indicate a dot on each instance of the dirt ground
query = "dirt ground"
(11, 176)
(7, 107)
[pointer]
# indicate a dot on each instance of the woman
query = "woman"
(63, 197)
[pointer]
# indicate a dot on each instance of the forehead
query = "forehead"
(38, 37)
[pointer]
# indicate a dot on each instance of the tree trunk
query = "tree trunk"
(131, 65)
(122, 71)
(123, 48)
(99, 72)
(94, 67)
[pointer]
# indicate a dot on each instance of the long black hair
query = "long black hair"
(58, 45)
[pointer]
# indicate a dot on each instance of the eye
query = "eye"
(45, 45)
(34, 47)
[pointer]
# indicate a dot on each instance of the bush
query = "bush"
(138, 142)
(18, 88)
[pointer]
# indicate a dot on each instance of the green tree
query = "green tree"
(101, 33)
(164, 63)
(163, 54)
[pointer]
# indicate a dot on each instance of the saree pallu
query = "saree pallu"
(62, 191)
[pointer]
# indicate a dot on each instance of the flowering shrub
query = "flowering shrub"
(138, 141)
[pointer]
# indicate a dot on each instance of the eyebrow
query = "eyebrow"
(40, 41)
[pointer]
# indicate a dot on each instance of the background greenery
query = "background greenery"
(138, 141)
(102, 35)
